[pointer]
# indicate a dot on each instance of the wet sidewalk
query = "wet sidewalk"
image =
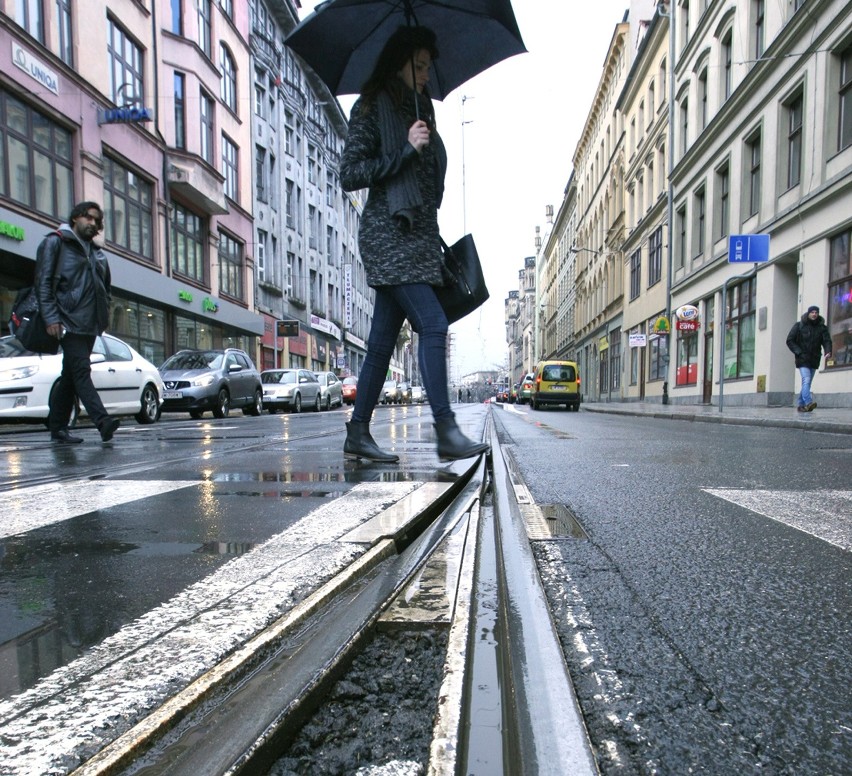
(833, 420)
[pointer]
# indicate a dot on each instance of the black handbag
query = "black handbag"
(464, 286)
(28, 325)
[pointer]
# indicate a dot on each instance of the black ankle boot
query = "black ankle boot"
(452, 444)
(360, 444)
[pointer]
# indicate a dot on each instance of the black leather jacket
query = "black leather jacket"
(805, 340)
(73, 289)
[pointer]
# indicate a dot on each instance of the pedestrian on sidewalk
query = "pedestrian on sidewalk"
(808, 339)
(73, 286)
(394, 150)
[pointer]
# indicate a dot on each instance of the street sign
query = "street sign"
(748, 248)
(288, 328)
(637, 340)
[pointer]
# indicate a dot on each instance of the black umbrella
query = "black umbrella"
(341, 40)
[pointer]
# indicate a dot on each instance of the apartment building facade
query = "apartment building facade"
(138, 106)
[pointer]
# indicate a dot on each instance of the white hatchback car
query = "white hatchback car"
(128, 384)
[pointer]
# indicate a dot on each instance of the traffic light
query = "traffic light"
(288, 328)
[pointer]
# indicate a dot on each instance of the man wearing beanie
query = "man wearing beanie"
(805, 340)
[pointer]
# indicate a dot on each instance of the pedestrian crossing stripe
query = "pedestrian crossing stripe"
(25, 509)
(825, 514)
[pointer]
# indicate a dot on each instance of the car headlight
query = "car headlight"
(203, 381)
(19, 373)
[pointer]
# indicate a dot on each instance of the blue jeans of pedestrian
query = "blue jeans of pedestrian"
(418, 303)
(75, 382)
(806, 397)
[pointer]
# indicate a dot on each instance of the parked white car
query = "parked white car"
(127, 383)
(290, 389)
(331, 390)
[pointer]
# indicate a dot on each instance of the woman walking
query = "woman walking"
(394, 150)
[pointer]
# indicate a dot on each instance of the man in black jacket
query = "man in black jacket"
(73, 282)
(806, 339)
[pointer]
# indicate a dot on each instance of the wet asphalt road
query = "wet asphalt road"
(702, 637)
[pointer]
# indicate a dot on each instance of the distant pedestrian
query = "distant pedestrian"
(807, 337)
(73, 282)
(460, 395)
(468, 395)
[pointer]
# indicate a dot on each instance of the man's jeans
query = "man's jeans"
(806, 398)
(418, 303)
(75, 381)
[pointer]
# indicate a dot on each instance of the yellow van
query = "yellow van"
(557, 382)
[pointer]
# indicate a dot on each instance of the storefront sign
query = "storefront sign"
(603, 344)
(35, 69)
(347, 295)
(687, 325)
(637, 340)
(662, 326)
(10, 230)
(321, 324)
(209, 306)
(184, 296)
(132, 115)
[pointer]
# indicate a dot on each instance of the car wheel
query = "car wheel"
(327, 403)
(150, 406)
(223, 404)
(196, 414)
(534, 404)
(256, 407)
(297, 403)
(317, 403)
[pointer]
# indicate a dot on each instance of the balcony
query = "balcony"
(197, 184)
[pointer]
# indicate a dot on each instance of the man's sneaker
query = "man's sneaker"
(802, 408)
(811, 407)
(108, 427)
(64, 438)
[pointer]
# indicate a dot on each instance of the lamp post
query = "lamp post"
(464, 99)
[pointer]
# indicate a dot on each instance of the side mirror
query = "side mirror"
(97, 358)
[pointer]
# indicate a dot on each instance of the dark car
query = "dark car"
(350, 389)
(216, 380)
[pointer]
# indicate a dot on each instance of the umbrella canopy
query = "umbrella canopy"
(341, 40)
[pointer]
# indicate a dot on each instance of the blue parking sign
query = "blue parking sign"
(748, 248)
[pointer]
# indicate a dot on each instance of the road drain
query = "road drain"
(561, 521)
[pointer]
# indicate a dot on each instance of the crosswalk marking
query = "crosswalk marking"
(33, 507)
(826, 514)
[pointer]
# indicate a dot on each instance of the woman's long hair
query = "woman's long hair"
(400, 49)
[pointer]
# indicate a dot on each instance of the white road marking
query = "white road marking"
(25, 509)
(826, 514)
(82, 706)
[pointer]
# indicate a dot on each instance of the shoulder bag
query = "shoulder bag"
(464, 286)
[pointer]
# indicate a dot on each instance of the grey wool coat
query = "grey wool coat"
(402, 246)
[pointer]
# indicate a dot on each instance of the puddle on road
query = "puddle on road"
(562, 522)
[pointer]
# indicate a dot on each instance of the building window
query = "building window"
(176, 19)
(230, 267)
(229, 78)
(727, 64)
(128, 209)
(227, 7)
(740, 329)
(313, 226)
(36, 158)
(723, 201)
(126, 84)
(205, 33)
(230, 168)
(635, 274)
(680, 244)
(687, 358)
(684, 126)
(260, 255)
(261, 184)
(700, 223)
(794, 140)
(187, 243)
(63, 27)
(30, 15)
(290, 204)
(180, 110)
(702, 99)
(615, 360)
(840, 298)
(259, 99)
(655, 257)
(752, 192)
(845, 133)
(206, 108)
(759, 28)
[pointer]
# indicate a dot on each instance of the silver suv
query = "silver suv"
(216, 380)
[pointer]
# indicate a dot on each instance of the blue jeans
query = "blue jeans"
(418, 303)
(806, 397)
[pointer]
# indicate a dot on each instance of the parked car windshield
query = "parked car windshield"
(200, 359)
(287, 378)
